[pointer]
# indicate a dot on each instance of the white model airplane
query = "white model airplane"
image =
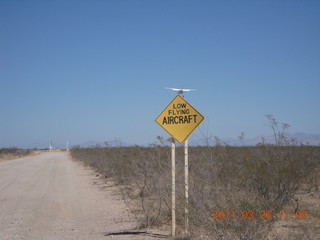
(180, 91)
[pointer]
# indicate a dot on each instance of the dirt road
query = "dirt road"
(49, 197)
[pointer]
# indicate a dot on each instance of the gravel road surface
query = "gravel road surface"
(51, 197)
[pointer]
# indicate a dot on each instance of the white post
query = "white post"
(50, 146)
(186, 176)
(173, 193)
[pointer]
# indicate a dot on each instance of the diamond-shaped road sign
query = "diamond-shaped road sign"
(179, 119)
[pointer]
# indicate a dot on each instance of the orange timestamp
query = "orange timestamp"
(245, 214)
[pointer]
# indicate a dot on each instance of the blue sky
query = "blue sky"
(96, 70)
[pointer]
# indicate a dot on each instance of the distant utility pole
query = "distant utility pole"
(50, 146)
(67, 146)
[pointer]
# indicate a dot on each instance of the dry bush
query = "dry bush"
(222, 178)
(261, 178)
(143, 174)
(14, 152)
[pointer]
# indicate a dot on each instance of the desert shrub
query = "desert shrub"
(222, 178)
(14, 152)
(261, 178)
(143, 174)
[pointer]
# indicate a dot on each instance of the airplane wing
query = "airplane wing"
(188, 90)
(174, 89)
(181, 90)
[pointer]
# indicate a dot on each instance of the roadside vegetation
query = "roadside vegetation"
(222, 178)
(10, 153)
(234, 192)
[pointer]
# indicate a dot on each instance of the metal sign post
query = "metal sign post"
(173, 190)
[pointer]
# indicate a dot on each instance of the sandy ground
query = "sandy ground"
(49, 196)
(307, 227)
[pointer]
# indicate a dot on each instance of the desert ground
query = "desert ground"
(50, 196)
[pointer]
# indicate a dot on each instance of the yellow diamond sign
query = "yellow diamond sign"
(179, 119)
